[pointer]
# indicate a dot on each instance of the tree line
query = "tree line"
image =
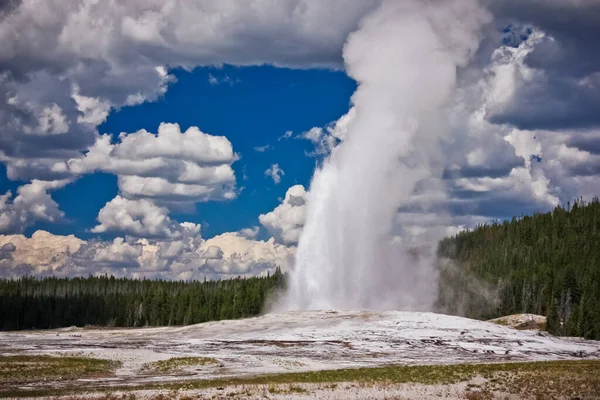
(547, 264)
(30, 303)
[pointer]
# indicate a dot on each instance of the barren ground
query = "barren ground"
(238, 353)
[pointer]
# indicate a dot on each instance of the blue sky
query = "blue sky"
(255, 110)
(135, 139)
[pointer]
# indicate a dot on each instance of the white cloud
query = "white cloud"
(427, 228)
(207, 32)
(140, 218)
(230, 253)
(495, 170)
(94, 110)
(186, 257)
(161, 189)
(212, 80)
(225, 79)
(51, 120)
(119, 252)
(171, 166)
(82, 58)
(47, 119)
(286, 221)
(43, 252)
(286, 135)
(32, 203)
(192, 145)
(262, 149)
(275, 173)
(322, 141)
(508, 73)
(520, 183)
(325, 139)
(250, 233)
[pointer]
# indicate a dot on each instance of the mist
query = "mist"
(404, 57)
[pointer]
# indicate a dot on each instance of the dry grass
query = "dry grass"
(19, 370)
(178, 363)
(537, 380)
(562, 379)
(478, 395)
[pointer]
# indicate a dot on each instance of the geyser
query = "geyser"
(404, 57)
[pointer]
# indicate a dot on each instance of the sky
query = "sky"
(175, 140)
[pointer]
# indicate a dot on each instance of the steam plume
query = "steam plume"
(404, 57)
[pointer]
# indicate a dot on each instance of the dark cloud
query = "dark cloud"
(8, 6)
(573, 24)
(589, 143)
(6, 251)
(585, 170)
(7, 270)
(479, 172)
(566, 94)
(553, 102)
(493, 205)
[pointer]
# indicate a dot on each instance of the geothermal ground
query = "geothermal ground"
(284, 343)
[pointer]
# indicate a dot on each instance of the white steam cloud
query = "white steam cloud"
(404, 57)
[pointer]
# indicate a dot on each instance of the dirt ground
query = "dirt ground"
(296, 342)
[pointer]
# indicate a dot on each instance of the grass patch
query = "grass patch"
(297, 389)
(560, 379)
(552, 379)
(18, 370)
(557, 378)
(176, 363)
(286, 389)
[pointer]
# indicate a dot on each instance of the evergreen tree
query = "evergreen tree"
(544, 264)
(28, 303)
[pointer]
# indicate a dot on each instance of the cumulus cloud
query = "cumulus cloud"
(114, 257)
(414, 229)
(524, 126)
(518, 142)
(207, 32)
(560, 74)
(231, 253)
(81, 59)
(39, 125)
(50, 121)
(249, 233)
(286, 221)
(325, 139)
(32, 203)
(6, 251)
(41, 254)
(170, 166)
(140, 218)
(94, 110)
(186, 257)
(495, 169)
(275, 173)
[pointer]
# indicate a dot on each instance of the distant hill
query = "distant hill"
(546, 264)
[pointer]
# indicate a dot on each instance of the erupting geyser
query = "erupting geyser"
(404, 57)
